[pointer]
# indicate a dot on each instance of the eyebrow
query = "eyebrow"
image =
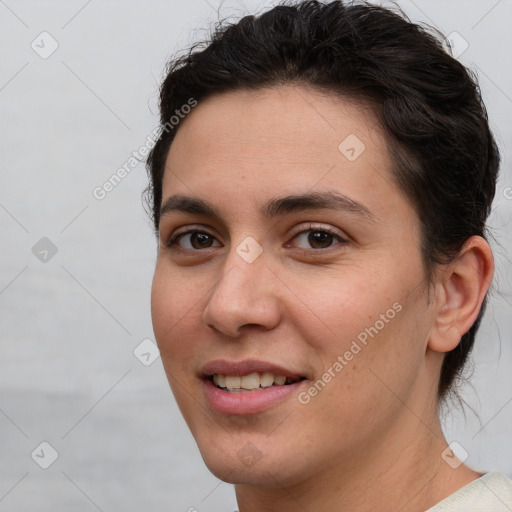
(275, 207)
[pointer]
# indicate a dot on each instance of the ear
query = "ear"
(461, 289)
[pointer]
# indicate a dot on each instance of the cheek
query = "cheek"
(174, 310)
(361, 325)
(335, 308)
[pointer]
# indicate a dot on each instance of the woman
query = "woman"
(320, 191)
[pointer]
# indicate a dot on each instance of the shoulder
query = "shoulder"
(490, 493)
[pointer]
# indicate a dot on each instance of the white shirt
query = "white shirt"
(489, 493)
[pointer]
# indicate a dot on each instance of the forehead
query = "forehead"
(281, 117)
(278, 139)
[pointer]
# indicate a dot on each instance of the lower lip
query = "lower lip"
(249, 402)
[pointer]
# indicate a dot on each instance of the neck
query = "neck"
(402, 470)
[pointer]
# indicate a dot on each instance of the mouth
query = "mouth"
(249, 386)
(251, 382)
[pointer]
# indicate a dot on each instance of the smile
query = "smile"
(252, 382)
(249, 386)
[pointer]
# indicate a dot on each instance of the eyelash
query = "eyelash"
(319, 229)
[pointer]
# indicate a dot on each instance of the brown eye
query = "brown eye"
(318, 238)
(194, 240)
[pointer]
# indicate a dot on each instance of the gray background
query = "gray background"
(69, 326)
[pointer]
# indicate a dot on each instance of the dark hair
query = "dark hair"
(428, 104)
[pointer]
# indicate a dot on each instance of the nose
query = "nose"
(244, 296)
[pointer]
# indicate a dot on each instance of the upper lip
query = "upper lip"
(245, 367)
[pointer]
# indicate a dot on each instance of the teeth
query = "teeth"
(220, 380)
(280, 380)
(251, 381)
(267, 379)
(233, 382)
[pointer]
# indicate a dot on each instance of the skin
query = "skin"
(371, 438)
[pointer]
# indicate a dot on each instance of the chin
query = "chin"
(249, 465)
(261, 475)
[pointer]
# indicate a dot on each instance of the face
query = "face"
(294, 259)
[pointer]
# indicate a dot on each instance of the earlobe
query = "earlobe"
(461, 290)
